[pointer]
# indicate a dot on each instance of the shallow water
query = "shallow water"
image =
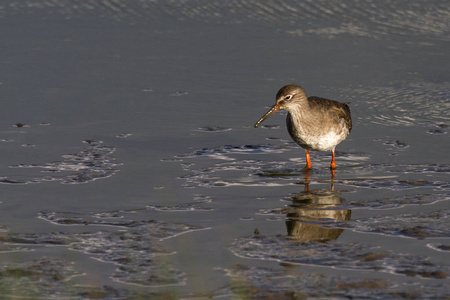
(131, 167)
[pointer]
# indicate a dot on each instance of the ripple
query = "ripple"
(232, 170)
(323, 214)
(92, 163)
(420, 169)
(398, 106)
(439, 247)
(47, 278)
(270, 126)
(377, 204)
(134, 247)
(235, 170)
(230, 150)
(197, 205)
(352, 256)
(234, 173)
(181, 207)
(391, 184)
(438, 129)
(135, 254)
(420, 226)
(43, 277)
(14, 181)
(289, 283)
(401, 201)
(213, 129)
(116, 219)
(370, 18)
(178, 93)
(396, 144)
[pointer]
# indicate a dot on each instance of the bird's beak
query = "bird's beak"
(273, 110)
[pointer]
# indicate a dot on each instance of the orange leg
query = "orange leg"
(308, 161)
(333, 163)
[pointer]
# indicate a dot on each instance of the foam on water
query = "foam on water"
(94, 162)
(49, 278)
(134, 246)
(356, 256)
(292, 283)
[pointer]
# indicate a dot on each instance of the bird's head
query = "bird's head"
(288, 98)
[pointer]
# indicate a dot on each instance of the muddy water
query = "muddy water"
(130, 167)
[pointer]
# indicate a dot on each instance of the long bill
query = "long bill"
(273, 110)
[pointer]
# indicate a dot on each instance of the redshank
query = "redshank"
(315, 123)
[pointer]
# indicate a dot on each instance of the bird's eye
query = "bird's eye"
(288, 97)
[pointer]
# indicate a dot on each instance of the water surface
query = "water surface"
(130, 166)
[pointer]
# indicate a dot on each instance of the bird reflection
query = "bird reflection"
(313, 212)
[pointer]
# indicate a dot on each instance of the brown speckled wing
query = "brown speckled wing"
(341, 109)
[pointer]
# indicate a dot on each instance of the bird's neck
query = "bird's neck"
(297, 113)
(298, 108)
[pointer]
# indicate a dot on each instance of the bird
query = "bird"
(314, 123)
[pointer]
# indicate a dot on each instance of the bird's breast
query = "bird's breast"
(316, 134)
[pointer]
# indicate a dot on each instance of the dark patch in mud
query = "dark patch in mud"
(438, 129)
(20, 125)
(439, 247)
(396, 144)
(213, 129)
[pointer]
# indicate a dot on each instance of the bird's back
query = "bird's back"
(339, 110)
(321, 125)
